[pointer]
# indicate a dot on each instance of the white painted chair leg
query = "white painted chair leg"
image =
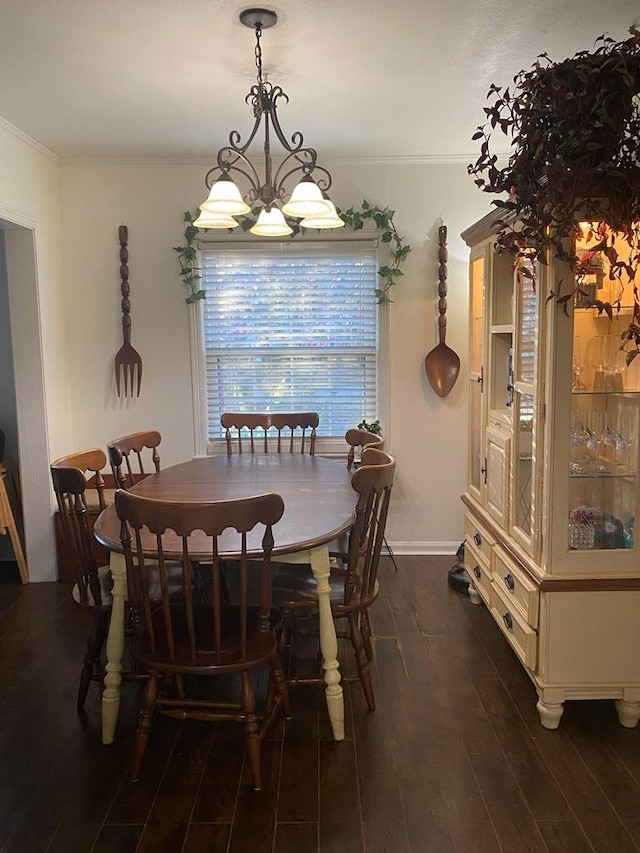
(114, 649)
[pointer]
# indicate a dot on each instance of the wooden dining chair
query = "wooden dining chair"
(354, 586)
(357, 439)
(127, 457)
(275, 432)
(191, 637)
(79, 487)
(78, 484)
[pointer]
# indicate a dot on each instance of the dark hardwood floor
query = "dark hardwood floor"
(453, 759)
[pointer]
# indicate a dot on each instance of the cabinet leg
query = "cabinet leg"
(628, 713)
(550, 713)
(474, 595)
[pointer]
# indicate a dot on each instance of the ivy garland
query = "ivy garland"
(354, 217)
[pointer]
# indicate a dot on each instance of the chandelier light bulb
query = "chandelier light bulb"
(306, 200)
(271, 223)
(224, 198)
(215, 220)
(324, 220)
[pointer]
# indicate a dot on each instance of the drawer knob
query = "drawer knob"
(477, 539)
(477, 572)
(509, 582)
(508, 621)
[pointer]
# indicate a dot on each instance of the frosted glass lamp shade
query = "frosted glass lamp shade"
(306, 200)
(271, 223)
(324, 220)
(215, 220)
(224, 198)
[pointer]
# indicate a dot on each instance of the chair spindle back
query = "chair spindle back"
(274, 432)
(71, 487)
(189, 634)
(373, 482)
(126, 455)
(360, 438)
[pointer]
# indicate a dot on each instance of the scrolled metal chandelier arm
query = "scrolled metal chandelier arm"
(228, 156)
(306, 157)
(226, 165)
(321, 176)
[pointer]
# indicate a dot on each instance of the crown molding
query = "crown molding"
(21, 136)
(391, 160)
(15, 218)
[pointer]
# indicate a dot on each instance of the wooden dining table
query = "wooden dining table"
(319, 506)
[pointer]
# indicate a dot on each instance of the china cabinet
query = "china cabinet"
(553, 489)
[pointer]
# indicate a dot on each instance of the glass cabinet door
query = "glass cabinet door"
(476, 354)
(604, 487)
(501, 332)
(527, 439)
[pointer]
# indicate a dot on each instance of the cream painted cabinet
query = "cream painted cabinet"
(553, 487)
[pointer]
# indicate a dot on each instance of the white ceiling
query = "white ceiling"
(167, 78)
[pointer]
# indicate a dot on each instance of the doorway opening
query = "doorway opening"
(22, 408)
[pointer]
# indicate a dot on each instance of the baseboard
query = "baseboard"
(423, 548)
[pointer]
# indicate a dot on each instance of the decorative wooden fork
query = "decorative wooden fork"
(127, 358)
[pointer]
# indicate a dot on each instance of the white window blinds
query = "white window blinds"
(291, 328)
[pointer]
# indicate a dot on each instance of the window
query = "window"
(288, 327)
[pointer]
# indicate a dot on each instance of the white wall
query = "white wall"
(427, 434)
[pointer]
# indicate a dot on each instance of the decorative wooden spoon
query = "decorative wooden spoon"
(442, 363)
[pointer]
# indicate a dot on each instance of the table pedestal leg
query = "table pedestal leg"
(319, 559)
(115, 649)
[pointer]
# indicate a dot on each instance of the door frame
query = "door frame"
(20, 233)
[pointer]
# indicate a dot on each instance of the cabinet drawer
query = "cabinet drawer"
(475, 532)
(478, 570)
(516, 586)
(521, 636)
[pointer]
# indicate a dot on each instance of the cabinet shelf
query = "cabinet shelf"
(503, 329)
(624, 309)
(501, 417)
(624, 393)
(630, 476)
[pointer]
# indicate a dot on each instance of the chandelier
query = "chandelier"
(307, 201)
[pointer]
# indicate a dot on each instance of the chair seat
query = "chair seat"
(174, 578)
(93, 502)
(87, 600)
(340, 547)
(294, 586)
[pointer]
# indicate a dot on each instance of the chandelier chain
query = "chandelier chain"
(259, 53)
